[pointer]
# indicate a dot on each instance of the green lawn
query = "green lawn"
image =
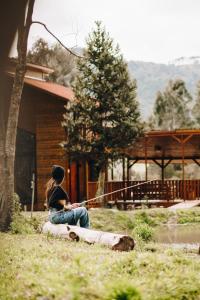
(34, 266)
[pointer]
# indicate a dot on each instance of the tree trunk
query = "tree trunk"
(8, 144)
(114, 241)
(101, 185)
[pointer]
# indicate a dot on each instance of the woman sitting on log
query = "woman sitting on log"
(61, 211)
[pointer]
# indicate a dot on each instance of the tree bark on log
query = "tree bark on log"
(114, 241)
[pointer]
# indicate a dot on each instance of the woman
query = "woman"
(61, 211)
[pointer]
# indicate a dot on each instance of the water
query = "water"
(178, 234)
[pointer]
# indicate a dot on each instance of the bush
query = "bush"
(20, 224)
(144, 232)
(124, 292)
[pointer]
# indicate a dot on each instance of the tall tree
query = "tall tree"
(8, 141)
(104, 117)
(9, 123)
(56, 57)
(196, 107)
(172, 108)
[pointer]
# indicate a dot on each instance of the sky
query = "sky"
(146, 30)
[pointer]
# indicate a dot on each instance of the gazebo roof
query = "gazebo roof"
(173, 145)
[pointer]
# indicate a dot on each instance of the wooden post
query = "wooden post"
(162, 169)
(127, 169)
(86, 179)
(183, 166)
(123, 169)
(33, 193)
(146, 175)
(112, 170)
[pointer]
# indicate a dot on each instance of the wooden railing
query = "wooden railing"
(156, 190)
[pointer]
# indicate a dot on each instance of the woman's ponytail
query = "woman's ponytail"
(49, 188)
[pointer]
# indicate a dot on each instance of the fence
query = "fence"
(156, 190)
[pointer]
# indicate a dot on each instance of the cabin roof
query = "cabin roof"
(51, 88)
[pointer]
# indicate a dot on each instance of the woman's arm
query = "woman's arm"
(68, 206)
(65, 206)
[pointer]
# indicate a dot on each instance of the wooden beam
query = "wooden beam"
(167, 163)
(112, 170)
(159, 164)
(146, 175)
(176, 138)
(133, 163)
(123, 169)
(187, 138)
(182, 140)
(196, 161)
(127, 169)
(86, 178)
(183, 168)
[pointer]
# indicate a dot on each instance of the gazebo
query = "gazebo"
(162, 148)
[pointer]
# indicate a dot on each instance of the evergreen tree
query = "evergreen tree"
(104, 117)
(196, 108)
(172, 108)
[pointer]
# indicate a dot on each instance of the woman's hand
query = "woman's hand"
(75, 205)
(67, 207)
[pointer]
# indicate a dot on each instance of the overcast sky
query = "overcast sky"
(146, 30)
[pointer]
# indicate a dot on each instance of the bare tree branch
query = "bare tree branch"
(66, 48)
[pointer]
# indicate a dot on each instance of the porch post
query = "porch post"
(183, 166)
(123, 171)
(112, 170)
(127, 169)
(162, 169)
(86, 179)
(145, 146)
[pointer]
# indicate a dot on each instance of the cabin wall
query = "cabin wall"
(40, 119)
(49, 133)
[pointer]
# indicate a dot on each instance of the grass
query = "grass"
(34, 266)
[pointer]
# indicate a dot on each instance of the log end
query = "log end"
(126, 243)
(74, 236)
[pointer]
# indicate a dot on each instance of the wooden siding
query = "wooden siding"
(49, 133)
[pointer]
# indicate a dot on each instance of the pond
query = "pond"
(180, 233)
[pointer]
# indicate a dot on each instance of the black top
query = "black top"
(57, 194)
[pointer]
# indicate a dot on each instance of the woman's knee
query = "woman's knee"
(84, 211)
(80, 211)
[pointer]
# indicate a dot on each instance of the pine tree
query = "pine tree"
(172, 109)
(196, 108)
(104, 117)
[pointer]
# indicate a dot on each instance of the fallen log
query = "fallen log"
(115, 241)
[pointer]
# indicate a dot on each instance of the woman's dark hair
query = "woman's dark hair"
(57, 174)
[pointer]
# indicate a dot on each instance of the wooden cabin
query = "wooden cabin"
(39, 135)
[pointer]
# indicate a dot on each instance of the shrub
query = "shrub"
(124, 292)
(144, 232)
(20, 224)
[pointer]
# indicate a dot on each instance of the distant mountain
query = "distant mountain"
(153, 77)
(185, 61)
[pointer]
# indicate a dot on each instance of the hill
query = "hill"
(152, 77)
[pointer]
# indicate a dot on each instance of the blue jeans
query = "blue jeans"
(71, 217)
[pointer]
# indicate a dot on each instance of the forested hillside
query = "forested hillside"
(152, 77)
